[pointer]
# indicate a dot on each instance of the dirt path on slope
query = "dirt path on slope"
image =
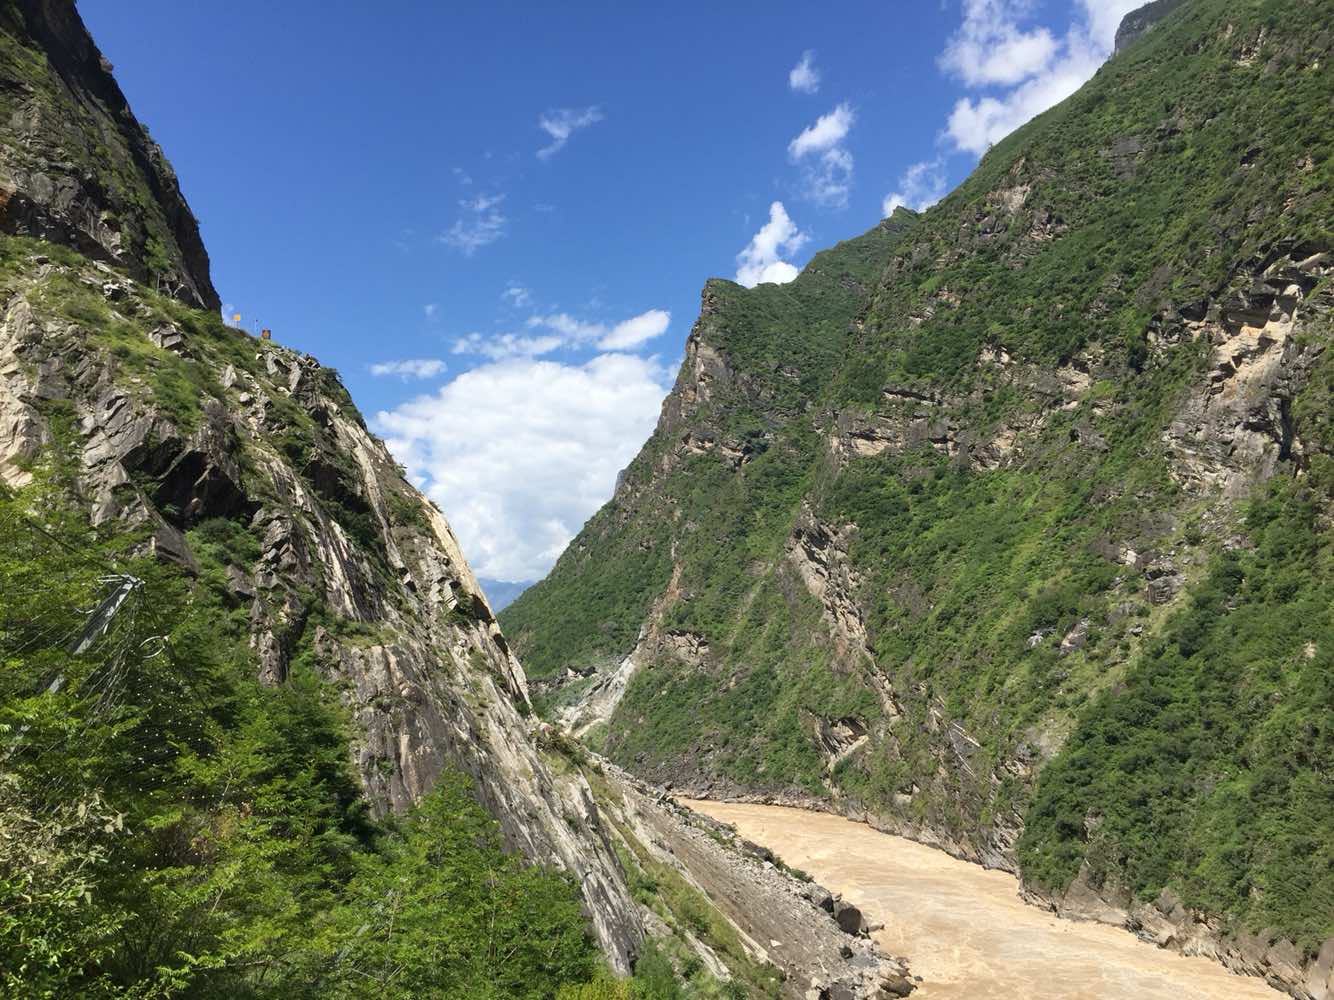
(964, 929)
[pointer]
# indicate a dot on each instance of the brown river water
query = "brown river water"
(965, 930)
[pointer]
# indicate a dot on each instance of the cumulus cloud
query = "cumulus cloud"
(827, 165)
(991, 48)
(410, 368)
(561, 330)
(761, 261)
(1034, 69)
(520, 453)
(561, 123)
(574, 330)
(506, 345)
(804, 78)
(920, 187)
(827, 132)
(481, 224)
(636, 330)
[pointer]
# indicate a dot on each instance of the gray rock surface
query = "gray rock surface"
(818, 941)
(356, 571)
(77, 168)
(1142, 20)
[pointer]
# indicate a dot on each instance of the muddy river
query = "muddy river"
(964, 929)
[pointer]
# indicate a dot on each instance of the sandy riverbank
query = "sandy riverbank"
(964, 929)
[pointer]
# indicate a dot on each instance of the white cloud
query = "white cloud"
(521, 452)
(516, 296)
(920, 187)
(411, 368)
(636, 330)
(804, 77)
(481, 224)
(993, 48)
(561, 123)
(827, 165)
(430, 309)
(506, 345)
(827, 132)
(574, 330)
(829, 180)
(760, 262)
(565, 331)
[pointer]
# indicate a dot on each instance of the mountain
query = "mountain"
(300, 650)
(1007, 525)
(76, 166)
(502, 593)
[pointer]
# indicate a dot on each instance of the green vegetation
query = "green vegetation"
(1022, 350)
(1207, 771)
(593, 602)
(168, 827)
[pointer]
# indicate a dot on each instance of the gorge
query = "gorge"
(976, 582)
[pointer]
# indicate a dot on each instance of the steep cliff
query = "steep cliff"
(1007, 525)
(76, 166)
(246, 466)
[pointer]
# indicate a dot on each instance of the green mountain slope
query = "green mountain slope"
(1014, 534)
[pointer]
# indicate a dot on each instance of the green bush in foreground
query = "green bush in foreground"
(170, 828)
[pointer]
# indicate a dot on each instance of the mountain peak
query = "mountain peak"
(77, 167)
(1142, 19)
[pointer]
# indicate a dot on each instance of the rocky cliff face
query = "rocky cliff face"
(248, 466)
(1137, 22)
(784, 926)
(76, 166)
(183, 425)
(935, 535)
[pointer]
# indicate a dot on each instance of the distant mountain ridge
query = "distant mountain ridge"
(500, 594)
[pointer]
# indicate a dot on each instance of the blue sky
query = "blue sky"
(495, 219)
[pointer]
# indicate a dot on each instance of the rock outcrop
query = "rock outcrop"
(1139, 21)
(1168, 923)
(819, 942)
(76, 166)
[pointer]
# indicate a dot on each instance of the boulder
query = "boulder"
(849, 917)
(819, 895)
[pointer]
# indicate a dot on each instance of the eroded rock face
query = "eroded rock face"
(594, 694)
(77, 168)
(344, 563)
(909, 418)
(819, 554)
(1137, 22)
(820, 942)
(1235, 427)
